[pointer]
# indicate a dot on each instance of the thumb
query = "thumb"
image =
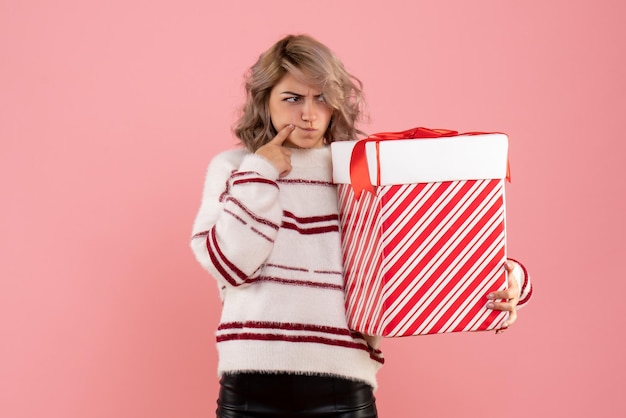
(282, 135)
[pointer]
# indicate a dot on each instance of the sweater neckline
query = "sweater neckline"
(311, 157)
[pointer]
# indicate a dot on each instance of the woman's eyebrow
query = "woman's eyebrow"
(291, 93)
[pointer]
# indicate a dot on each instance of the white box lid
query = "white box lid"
(405, 161)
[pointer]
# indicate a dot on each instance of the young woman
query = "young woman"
(268, 231)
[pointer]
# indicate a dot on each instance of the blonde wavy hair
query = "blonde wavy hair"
(312, 63)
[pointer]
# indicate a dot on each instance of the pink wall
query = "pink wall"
(110, 111)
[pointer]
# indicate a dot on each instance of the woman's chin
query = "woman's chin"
(304, 143)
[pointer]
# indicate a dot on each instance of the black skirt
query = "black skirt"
(247, 395)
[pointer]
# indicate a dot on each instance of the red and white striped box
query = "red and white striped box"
(423, 250)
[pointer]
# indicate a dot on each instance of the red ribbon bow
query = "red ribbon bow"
(359, 171)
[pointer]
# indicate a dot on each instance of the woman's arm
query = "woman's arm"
(239, 217)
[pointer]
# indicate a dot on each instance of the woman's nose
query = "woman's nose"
(308, 111)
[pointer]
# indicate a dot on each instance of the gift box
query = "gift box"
(422, 217)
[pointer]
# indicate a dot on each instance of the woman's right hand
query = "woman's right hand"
(278, 155)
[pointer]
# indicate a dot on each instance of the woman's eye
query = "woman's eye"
(293, 99)
(321, 98)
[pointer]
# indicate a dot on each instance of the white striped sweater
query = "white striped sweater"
(273, 245)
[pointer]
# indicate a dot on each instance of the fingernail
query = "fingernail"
(490, 305)
(505, 325)
(292, 126)
(491, 296)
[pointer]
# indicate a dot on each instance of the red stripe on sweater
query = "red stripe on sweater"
(253, 229)
(311, 231)
(355, 335)
(286, 267)
(287, 326)
(215, 252)
(261, 234)
(301, 181)
(217, 264)
(234, 215)
(256, 181)
(311, 219)
(304, 283)
(327, 272)
(251, 214)
(302, 269)
(298, 339)
(234, 174)
(200, 235)
(224, 194)
(527, 298)
(525, 285)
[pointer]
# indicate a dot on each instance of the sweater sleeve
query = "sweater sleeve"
(523, 279)
(238, 219)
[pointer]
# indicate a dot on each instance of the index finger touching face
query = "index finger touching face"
(282, 135)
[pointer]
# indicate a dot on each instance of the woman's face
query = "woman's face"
(302, 105)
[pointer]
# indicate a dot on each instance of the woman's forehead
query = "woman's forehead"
(293, 84)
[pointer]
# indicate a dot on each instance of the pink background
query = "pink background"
(110, 112)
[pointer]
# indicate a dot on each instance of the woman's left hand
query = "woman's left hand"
(509, 298)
